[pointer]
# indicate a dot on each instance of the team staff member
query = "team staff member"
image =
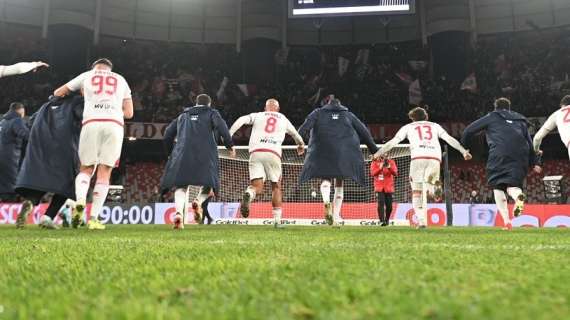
(384, 170)
(13, 134)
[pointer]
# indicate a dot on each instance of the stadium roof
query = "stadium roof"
(232, 21)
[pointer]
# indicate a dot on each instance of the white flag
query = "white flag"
(222, 89)
(415, 92)
(470, 83)
(342, 65)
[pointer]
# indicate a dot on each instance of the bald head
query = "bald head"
(272, 105)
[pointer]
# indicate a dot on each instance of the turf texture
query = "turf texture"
(248, 272)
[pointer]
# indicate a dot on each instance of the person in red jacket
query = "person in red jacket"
(384, 170)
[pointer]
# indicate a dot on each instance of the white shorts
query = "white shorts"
(424, 170)
(100, 143)
(265, 165)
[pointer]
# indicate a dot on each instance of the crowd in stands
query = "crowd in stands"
(374, 81)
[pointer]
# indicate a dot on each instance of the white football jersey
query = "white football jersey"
(104, 92)
(423, 137)
(560, 120)
(268, 131)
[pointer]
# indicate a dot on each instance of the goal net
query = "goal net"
(305, 201)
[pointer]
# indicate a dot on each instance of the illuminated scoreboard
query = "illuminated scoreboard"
(324, 8)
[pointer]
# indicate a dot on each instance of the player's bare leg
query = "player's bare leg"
(277, 202)
(254, 189)
(338, 199)
(180, 203)
(82, 182)
(326, 194)
(100, 192)
(502, 206)
(519, 197)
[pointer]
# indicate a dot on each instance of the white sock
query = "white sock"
(514, 192)
(424, 208)
(418, 209)
(501, 201)
(251, 191)
(180, 200)
(277, 215)
(99, 196)
(326, 191)
(82, 186)
(338, 197)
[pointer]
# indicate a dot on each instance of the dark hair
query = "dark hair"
(565, 101)
(502, 104)
(103, 61)
(418, 114)
(16, 106)
(203, 100)
(331, 99)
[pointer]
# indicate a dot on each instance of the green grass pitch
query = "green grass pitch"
(241, 272)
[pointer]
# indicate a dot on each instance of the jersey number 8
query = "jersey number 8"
(271, 125)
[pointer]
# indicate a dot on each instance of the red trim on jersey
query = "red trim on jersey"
(103, 120)
(265, 150)
(427, 158)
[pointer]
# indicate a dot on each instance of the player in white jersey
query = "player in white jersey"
(558, 120)
(107, 103)
(267, 135)
(21, 68)
(423, 136)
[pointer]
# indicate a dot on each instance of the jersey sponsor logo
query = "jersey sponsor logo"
(335, 116)
(54, 107)
(104, 106)
(194, 118)
(268, 140)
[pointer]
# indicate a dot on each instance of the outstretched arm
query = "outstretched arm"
(399, 137)
(452, 142)
(474, 128)
(532, 157)
(242, 121)
(169, 135)
(21, 68)
(308, 125)
(293, 133)
(548, 126)
(364, 134)
(73, 85)
(222, 128)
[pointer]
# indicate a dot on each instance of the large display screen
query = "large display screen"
(324, 8)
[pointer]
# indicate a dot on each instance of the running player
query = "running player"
(560, 119)
(267, 136)
(334, 152)
(423, 136)
(511, 155)
(107, 103)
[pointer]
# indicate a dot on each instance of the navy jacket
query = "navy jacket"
(13, 134)
(510, 147)
(194, 157)
(52, 162)
(334, 146)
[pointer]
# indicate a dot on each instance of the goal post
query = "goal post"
(305, 201)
